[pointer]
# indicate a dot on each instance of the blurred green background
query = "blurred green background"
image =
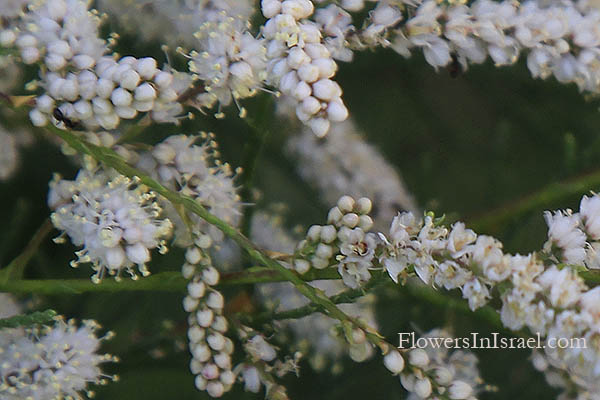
(465, 146)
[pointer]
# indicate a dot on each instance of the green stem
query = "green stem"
(347, 296)
(163, 282)
(16, 268)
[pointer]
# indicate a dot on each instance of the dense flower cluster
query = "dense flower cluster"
(230, 62)
(116, 220)
(559, 38)
(211, 349)
(79, 80)
(195, 170)
(345, 242)
(574, 238)
(300, 65)
(51, 362)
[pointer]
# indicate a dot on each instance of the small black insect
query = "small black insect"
(60, 117)
(454, 68)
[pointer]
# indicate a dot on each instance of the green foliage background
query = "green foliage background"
(464, 146)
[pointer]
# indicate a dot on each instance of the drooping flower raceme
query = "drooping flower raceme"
(211, 349)
(79, 80)
(60, 361)
(559, 38)
(116, 220)
(300, 65)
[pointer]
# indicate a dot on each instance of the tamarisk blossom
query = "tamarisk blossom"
(115, 219)
(80, 79)
(545, 297)
(559, 39)
(58, 361)
(345, 242)
(194, 170)
(300, 65)
(564, 232)
(229, 62)
(211, 349)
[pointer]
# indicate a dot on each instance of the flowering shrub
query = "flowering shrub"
(129, 111)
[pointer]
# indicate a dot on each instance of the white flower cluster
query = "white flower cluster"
(433, 372)
(230, 62)
(417, 243)
(195, 170)
(560, 39)
(300, 65)
(114, 90)
(574, 238)
(211, 349)
(335, 25)
(51, 362)
(354, 167)
(116, 220)
(345, 242)
(79, 80)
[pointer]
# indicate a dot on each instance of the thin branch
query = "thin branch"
(161, 282)
(15, 269)
(347, 296)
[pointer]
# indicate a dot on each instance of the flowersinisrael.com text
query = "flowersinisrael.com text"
(408, 340)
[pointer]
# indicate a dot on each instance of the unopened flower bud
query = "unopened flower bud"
(394, 362)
